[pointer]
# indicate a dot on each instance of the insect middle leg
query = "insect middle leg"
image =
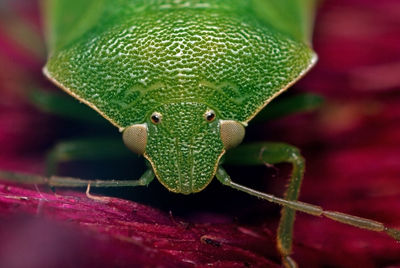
(273, 153)
(85, 149)
(300, 103)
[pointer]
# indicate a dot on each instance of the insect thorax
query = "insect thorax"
(211, 52)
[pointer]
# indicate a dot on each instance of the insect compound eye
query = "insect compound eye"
(156, 118)
(135, 138)
(209, 115)
(232, 133)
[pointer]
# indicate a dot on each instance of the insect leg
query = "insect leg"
(57, 181)
(273, 153)
(359, 222)
(85, 149)
(305, 102)
(64, 106)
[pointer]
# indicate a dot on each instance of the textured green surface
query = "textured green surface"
(292, 17)
(128, 59)
(184, 148)
(131, 61)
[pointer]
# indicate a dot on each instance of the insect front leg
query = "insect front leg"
(273, 153)
(57, 181)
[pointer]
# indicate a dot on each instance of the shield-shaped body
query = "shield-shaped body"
(181, 78)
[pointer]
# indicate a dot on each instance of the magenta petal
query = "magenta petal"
(70, 230)
(352, 147)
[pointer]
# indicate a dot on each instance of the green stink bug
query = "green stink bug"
(180, 79)
(195, 107)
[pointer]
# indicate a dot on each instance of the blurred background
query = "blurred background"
(351, 144)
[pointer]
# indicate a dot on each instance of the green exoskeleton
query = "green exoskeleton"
(181, 79)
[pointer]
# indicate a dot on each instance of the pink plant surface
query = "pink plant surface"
(351, 144)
